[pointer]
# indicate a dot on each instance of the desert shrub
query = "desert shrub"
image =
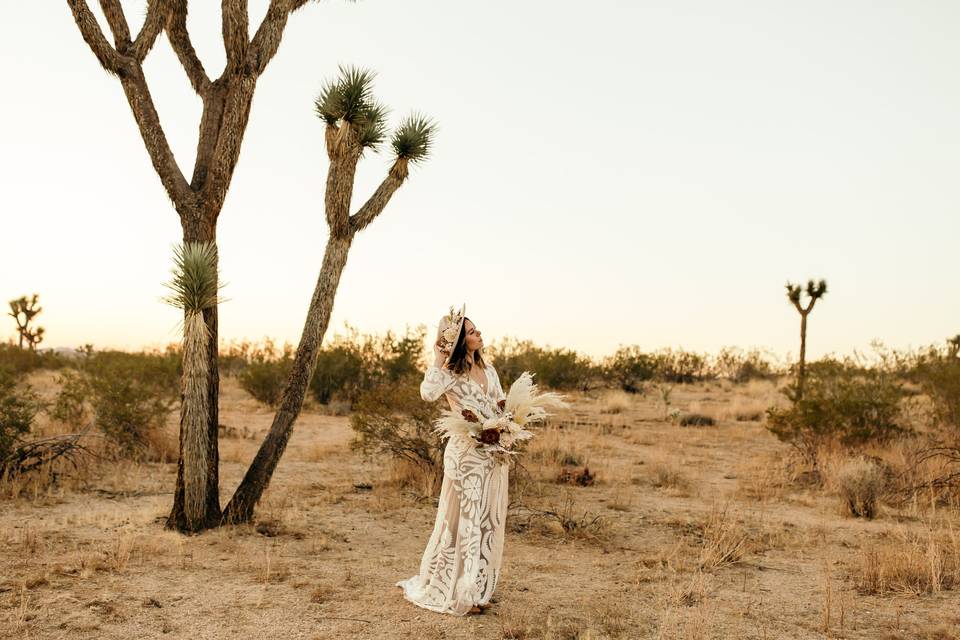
(860, 483)
(265, 380)
(21, 361)
(235, 356)
(681, 366)
(354, 364)
(629, 368)
(554, 368)
(843, 402)
(939, 377)
(392, 420)
(128, 395)
(696, 420)
(18, 407)
(738, 365)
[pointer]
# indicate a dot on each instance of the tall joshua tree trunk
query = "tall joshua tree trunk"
(226, 109)
(815, 291)
(354, 122)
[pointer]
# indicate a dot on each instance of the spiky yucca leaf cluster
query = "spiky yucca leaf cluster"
(349, 98)
(413, 138)
(196, 280)
(815, 290)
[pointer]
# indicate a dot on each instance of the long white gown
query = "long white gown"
(461, 564)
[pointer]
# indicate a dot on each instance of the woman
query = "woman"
(461, 564)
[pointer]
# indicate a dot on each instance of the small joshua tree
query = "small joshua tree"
(194, 288)
(953, 346)
(815, 291)
(23, 311)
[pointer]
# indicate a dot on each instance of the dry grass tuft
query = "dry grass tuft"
(860, 483)
(615, 402)
(669, 476)
(909, 563)
(690, 593)
(724, 539)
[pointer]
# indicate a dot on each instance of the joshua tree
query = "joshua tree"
(815, 291)
(194, 288)
(354, 122)
(226, 108)
(953, 346)
(23, 311)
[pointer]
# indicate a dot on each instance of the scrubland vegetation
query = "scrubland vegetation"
(684, 495)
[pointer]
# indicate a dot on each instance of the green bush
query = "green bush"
(392, 420)
(629, 368)
(738, 365)
(842, 402)
(127, 395)
(18, 407)
(23, 361)
(265, 380)
(939, 377)
(554, 368)
(354, 364)
(681, 366)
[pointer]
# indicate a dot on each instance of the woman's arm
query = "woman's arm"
(436, 382)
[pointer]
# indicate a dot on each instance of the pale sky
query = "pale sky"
(605, 173)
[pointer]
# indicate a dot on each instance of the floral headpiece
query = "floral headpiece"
(449, 329)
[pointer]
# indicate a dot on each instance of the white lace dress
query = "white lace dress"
(461, 564)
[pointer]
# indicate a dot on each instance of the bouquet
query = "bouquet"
(524, 406)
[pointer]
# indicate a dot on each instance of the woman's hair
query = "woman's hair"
(458, 359)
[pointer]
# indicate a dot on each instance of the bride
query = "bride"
(461, 564)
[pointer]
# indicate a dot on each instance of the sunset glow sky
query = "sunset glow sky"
(605, 173)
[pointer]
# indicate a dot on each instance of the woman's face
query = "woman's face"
(473, 338)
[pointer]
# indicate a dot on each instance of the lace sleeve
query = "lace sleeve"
(435, 383)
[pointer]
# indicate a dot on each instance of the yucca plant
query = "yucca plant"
(354, 122)
(194, 288)
(815, 291)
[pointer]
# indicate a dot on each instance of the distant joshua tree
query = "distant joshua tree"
(23, 310)
(953, 346)
(815, 291)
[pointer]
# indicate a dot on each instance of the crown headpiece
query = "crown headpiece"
(449, 329)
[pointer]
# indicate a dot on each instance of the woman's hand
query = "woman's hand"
(441, 355)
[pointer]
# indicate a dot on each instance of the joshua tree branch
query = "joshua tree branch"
(152, 26)
(235, 26)
(141, 103)
(344, 153)
(180, 41)
(118, 23)
(112, 61)
(229, 135)
(378, 201)
(266, 41)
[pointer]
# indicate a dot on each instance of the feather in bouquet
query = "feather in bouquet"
(498, 434)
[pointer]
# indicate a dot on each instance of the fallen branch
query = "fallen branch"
(34, 455)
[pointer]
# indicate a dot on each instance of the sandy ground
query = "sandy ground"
(95, 562)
